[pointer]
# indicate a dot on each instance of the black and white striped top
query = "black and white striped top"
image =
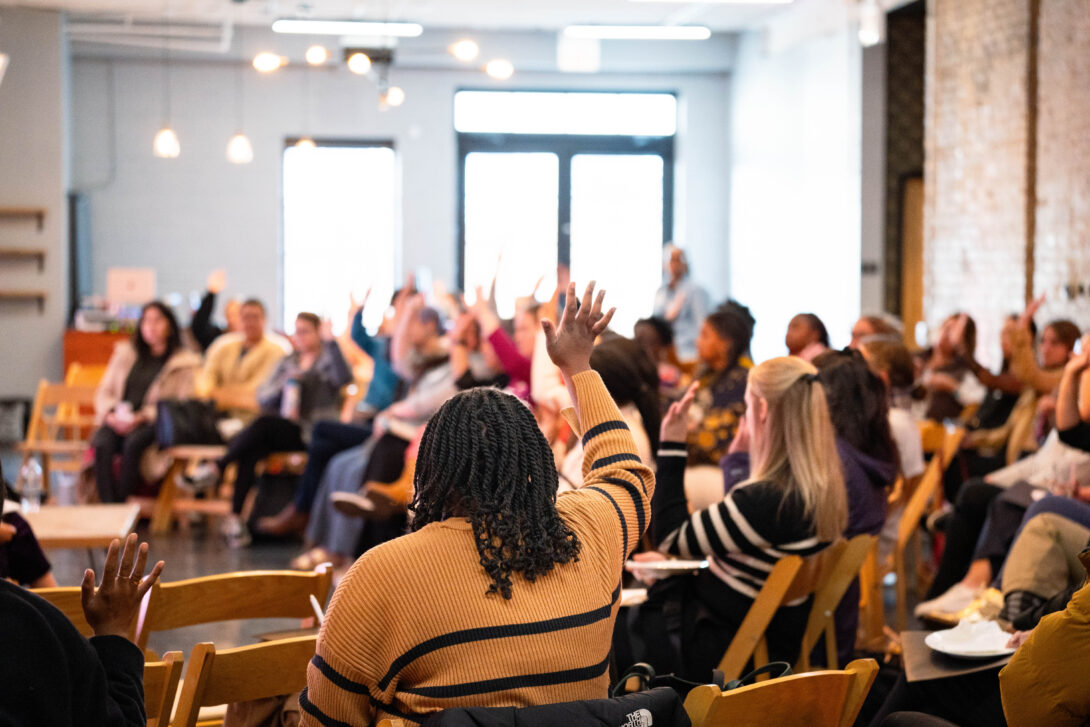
(743, 536)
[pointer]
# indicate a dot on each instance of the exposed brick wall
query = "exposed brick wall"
(1062, 242)
(976, 143)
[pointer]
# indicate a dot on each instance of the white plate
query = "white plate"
(665, 566)
(971, 640)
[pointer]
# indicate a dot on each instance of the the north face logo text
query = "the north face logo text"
(640, 718)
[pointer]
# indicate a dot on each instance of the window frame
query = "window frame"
(565, 146)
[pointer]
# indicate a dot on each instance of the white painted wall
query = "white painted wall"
(198, 212)
(33, 173)
(795, 174)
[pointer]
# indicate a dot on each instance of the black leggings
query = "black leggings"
(962, 531)
(108, 444)
(267, 434)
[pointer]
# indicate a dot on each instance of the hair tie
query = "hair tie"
(810, 378)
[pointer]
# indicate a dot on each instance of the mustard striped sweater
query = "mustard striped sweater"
(410, 631)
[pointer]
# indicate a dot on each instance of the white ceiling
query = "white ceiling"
(469, 14)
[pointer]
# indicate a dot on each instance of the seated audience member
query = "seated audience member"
(515, 353)
(946, 377)
(995, 506)
(486, 558)
(1045, 681)
(1073, 400)
(984, 448)
(859, 408)
(54, 676)
(304, 388)
(201, 326)
(1043, 570)
(892, 362)
(632, 383)
(235, 367)
(720, 401)
(151, 367)
(806, 337)
(1041, 372)
(870, 328)
(794, 503)
(681, 303)
(656, 338)
(329, 438)
(21, 558)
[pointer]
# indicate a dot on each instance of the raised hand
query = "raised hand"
(217, 281)
(355, 306)
(113, 606)
(569, 346)
(1030, 312)
(675, 425)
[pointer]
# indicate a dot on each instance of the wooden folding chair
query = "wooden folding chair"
(68, 600)
(838, 575)
(161, 687)
(749, 641)
(929, 489)
(243, 674)
(168, 503)
(232, 597)
(817, 699)
(57, 426)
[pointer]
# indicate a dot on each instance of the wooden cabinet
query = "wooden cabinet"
(90, 349)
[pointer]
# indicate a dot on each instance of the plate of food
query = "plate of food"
(971, 640)
(665, 567)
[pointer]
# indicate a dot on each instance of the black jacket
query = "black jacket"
(660, 707)
(51, 675)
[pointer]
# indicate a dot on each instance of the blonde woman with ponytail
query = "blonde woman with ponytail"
(794, 503)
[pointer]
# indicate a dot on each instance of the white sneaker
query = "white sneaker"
(951, 602)
(204, 476)
(235, 533)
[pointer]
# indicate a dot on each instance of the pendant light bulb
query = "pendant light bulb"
(500, 69)
(305, 143)
(240, 150)
(465, 50)
(393, 96)
(267, 62)
(317, 55)
(166, 144)
(359, 63)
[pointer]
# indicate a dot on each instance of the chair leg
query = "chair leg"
(902, 591)
(164, 503)
(831, 657)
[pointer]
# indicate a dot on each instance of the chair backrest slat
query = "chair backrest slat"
(161, 687)
(232, 596)
(242, 674)
(817, 699)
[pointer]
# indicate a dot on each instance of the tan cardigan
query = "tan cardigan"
(177, 380)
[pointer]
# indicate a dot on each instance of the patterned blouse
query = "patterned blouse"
(721, 399)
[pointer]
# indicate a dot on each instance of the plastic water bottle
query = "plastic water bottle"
(30, 487)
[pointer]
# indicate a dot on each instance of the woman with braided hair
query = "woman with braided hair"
(504, 594)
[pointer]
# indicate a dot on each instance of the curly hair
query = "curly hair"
(484, 458)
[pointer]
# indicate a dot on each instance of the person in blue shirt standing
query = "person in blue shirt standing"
(681, 302)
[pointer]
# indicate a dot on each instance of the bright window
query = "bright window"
(616, 230)
(340, 223)
(510, 223)
(541, 112)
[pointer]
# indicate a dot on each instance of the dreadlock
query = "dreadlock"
(483, 457)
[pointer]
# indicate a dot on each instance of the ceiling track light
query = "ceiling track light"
(465, 50)
(499, 68)
(639, 32)
(360, 28)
